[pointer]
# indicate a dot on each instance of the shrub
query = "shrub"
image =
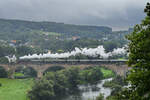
(91, 74)
(3, 60)
(30, 72)
(100, 97)
(22, 72)
(42, 90)
(3, 72)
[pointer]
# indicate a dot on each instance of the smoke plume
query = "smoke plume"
(92, 52)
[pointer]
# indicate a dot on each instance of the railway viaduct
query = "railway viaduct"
(118, 66)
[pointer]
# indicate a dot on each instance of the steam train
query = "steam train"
(71, 61)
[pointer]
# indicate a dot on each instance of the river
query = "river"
(90, 92)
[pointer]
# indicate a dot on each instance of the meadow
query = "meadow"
(14, 89)
(107, 73)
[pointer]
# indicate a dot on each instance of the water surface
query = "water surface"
(90, 92)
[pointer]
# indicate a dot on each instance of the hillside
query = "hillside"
(59, 36)
(22, 28)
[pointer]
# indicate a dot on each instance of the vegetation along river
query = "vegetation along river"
(90, 92)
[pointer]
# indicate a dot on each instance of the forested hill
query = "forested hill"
(18, 27)
(58, 36)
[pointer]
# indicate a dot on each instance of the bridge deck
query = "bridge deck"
(74, 61)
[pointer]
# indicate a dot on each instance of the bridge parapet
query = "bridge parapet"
(75, 62)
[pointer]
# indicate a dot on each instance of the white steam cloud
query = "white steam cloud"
(92, 52)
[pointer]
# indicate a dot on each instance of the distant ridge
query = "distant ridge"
(51, 22)
(13, 27)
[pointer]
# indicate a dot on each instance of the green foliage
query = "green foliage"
(116, 85)
(110, 84)
(100, 97)
(139, 60)
(119, 80)
(51, 86)
(42, 36)
(3, 72)
(30, 72)
(66, 30)
(42, 90)
(54, 69)
(3, 60)
(91, 74)
(110, 45)
(18, 74)
(107, 73)
(113, 98)
(25, 50)
(60, 82)
(6, 50)
(63, 82)
(73, 77)
(25, 72)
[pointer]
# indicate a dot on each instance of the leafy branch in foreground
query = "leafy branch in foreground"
(139, 61)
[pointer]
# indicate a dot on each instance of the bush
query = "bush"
(118, 81)
(100, 97)
(22, 72)
(91, 75)
(30, 72)
(3, 60)
(3, 72)
(72, 75)
(42, 90)
(109, 84)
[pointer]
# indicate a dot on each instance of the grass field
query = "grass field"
(107, 73)
(14, 89)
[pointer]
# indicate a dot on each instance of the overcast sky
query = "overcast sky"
(118, 14)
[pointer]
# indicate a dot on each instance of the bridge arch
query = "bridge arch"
(28, 71)
(54, 68)
(118, 67)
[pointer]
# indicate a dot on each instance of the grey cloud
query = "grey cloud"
(114, 13)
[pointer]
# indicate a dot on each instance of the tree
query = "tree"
(100, 97)
(51, 87)
(24, 50)
(3, 73)
(30, 72)
(25, 72)
(72, 77)
(91, 74)
(59, 80)
(42, 90)
(6, 50)
(139, 59)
